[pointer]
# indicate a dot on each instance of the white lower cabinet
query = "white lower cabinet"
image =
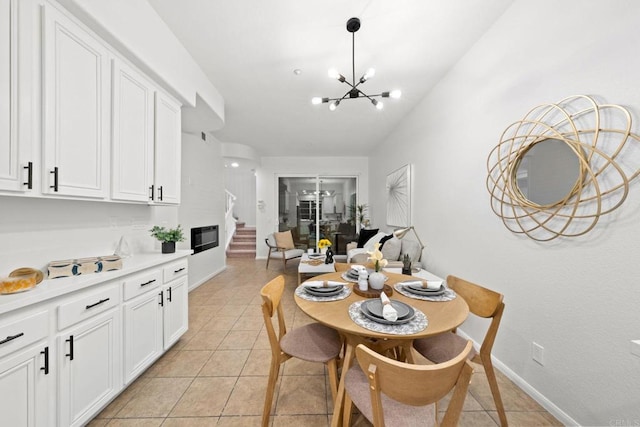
(142, 323)
(25, 374)
(89, 355)
(175, 291)
(64, 359)
(175, 311)
(155, 315)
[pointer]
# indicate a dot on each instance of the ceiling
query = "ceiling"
(250, 48)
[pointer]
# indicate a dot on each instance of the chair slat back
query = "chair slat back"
(342, 266)
(271, 297)
(416, 385)
(482, 302)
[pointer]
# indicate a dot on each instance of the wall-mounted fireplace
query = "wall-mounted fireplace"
(203, 238)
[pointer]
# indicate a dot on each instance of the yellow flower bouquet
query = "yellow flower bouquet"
(324, 243)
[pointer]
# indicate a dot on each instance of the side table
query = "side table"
(309, 270)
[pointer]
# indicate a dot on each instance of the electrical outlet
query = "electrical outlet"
(537, 353)
(635, 347)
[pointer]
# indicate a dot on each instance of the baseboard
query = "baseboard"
(548, 405)
(214, 274)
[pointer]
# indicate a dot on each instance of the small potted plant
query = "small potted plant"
(168, 237)
(406, 264)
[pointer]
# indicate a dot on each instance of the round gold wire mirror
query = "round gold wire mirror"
(558, 170)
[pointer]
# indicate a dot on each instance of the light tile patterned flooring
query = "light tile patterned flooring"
(216, 375)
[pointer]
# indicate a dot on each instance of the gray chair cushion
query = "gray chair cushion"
(288, 254)
(395, 413)
(442, 348)
(313, 343)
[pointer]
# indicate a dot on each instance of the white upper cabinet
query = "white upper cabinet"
(167, 150)
(132, 135)
(76, 108)
(16, 161)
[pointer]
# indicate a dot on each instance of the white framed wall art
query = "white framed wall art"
(399, 197)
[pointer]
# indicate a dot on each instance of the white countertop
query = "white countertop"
(52, 288)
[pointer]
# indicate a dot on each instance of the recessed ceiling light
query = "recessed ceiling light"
(297, 71)
(234, 165)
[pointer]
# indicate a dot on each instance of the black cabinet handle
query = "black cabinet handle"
(11, 338)
(97, 303)
(152, 192)
(29, 169)
(169, 296)
(161, 298)
(147, 283)
(45, 368)
(55, 179)
(160, 193)
(178, 270)
(70, 341)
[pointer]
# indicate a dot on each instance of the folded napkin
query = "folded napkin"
(432, 285)
(316, 284)
(358, 267)
(334, 283)
(388, 312)
(322, 284)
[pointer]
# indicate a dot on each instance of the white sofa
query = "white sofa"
(393, 251)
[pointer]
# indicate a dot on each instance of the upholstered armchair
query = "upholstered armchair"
(281, 247)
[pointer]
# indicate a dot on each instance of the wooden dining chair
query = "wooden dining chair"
(484, 303)
(388, 392)
(313, 342)
(342, 266)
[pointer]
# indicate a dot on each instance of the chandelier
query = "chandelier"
(354, 92)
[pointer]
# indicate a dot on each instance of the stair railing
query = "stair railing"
(229, 220)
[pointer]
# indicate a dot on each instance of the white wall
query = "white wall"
(577, 297)
(274, 167)
(242, 183)
(203, 202)
(34, 232)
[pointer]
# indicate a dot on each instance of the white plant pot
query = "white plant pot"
(376, 280)
(323, 251)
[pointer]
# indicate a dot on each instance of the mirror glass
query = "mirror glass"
(548, 172)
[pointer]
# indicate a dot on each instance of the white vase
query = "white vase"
(323, 251)
(376, 280)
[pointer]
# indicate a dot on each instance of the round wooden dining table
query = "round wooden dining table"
(442, 316)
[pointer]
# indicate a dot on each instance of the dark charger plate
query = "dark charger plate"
(372, 309)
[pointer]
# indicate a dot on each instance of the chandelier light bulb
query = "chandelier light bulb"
(333, 73)
(395, 94)
(334, 105)
(316, 100)
(379, 104)
(369, 74)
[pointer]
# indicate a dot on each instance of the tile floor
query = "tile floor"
(216, 374)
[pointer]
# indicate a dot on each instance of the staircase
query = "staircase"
(243, 243)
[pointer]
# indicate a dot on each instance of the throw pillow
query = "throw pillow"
(384, 239)
(284, 240)
(391, 249)
(371, 243)
(365, 235)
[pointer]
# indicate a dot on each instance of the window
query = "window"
(308, 209)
